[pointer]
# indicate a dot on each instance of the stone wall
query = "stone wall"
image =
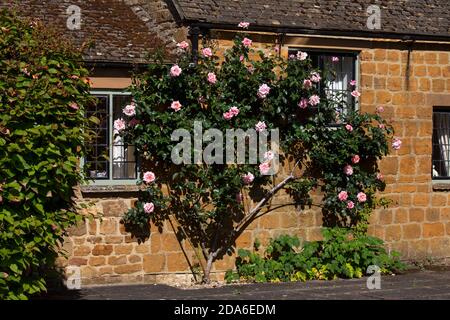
(407, 83)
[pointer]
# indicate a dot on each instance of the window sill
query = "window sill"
(441, 186)
(109, 189)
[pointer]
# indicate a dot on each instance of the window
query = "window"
(109, 159)
(341, 72)
(441, 144)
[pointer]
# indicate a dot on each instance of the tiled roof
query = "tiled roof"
(415, 17)
(120, 30)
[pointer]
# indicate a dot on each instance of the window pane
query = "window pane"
(441, 144)
(123, 156)
(96, 161)
(341, 72)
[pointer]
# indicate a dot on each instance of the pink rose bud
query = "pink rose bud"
(183, 45)
(314, 100)
(264, 168)
(175, 71)
(350, 205)
(119, 125)
(260, 126)
(247, 42)
(361, 197)
(149, 207)
(303, 104)
(176, 105)
(227, 115)
(356, 93)
(263, 91)
(355, 158)
(343, 195)
(348, 170)
(243, 25)
(149, 177)
(349, 127)
(396, 144)
(248, 178)
(234, 111)
(130, 110)
(212, 78)
(207, 52)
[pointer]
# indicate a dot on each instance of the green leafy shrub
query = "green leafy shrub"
(42, 132)
(341, 254)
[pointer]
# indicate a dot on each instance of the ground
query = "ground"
(425, 284)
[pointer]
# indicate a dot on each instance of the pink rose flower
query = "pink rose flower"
(315, 77)
(264, 168)
(353, 83)
(234, 111)
(303, 103)
(175, 71)
(349, 127)
(381, 126)
(243, 25)
(314, 100)
(355, 158)
(396, 143)
(380, 176)
(350, 205)
(248, 178)
(302, 55)
(207, 52)
(212, 78)
(380, 109)
(361, 197)
(239, 198)
(247, 42)
(269, 155)
(227, 115)
(130, 110)
(183, 45)
(343, 195)
(260, 126)
(176, 105)
(356, 93)
(335, 59)
(149, 177)
(307, 84)
(149, 207)
(74, 106)
(263, 91)
(241, 58)
(348, 170)
(119, 125)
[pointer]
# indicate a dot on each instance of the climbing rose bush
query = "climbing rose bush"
(322, 148)
(44, 92)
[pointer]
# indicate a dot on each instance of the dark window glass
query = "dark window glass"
(96, 160)
(109, 152)
(441, 144)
